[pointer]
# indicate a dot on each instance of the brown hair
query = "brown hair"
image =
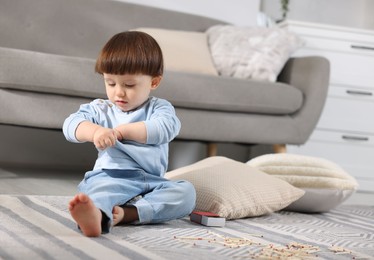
(131, 52)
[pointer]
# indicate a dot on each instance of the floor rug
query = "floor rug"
(40, 227)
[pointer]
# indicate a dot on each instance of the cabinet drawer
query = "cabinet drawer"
(326, 31)
(354, 47)
(348, 109)
(345, 68)
(344, 138)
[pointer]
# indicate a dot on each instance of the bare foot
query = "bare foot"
(124, 215)
(118, 215)
(87, 216)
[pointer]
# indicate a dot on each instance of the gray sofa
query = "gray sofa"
(48, 50)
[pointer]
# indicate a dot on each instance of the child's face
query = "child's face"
(129, 91)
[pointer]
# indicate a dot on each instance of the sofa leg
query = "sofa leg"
(279, 148)
(212, 149)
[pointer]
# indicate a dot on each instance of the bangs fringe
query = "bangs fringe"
(131, 55)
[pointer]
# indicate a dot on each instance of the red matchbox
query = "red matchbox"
(207, 219)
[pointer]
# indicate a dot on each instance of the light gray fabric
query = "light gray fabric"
(211, 108)
(49, 73)
(36, 148)
(311, 76)
(36, 109)
(81, 27)
(229, 94)
(57, 74)
(30, 110)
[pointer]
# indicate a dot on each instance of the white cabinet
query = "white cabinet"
(345, 131)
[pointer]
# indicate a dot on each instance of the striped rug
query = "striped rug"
(40, 227)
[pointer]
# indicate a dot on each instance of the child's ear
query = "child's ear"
(155, 82)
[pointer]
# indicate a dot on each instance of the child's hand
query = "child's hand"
(118, 134)
(104, 138)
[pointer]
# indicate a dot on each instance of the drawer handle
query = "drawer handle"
(355, 138)
(361, 47)
(357, 92)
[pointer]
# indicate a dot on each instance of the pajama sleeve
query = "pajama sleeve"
(86, 112)
(163, 125)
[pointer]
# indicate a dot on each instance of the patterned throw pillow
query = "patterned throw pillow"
(234, 190)
(251, 52)
(325, 183)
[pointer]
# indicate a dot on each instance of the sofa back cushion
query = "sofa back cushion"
(81, 27)
(57, 74)
(184, 50)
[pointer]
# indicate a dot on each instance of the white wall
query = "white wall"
(239, 12)
(349, 13)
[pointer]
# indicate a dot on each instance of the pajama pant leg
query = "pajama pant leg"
(109, 188)
(166, 200)
(162, 199)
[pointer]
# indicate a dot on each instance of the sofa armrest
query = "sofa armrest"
(312, 76)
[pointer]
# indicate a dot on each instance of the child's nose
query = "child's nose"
(120, 92)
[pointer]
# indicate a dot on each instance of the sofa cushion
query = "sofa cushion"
(80, 28)
(49, 73)
(229, 94)
(64, 75)
(184, 50)
(35, 109)
(234, 190)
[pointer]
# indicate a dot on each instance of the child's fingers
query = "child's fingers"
(106, 141)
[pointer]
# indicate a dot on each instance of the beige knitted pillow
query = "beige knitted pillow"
(325, 183)
(234, 190)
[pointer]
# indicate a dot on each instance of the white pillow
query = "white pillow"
(251, 52)
(233, 189)
(325, 183)
(184, 51)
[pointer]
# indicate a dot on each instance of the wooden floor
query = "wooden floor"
(64, 182)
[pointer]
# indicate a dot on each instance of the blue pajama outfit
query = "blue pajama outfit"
(129, 169)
